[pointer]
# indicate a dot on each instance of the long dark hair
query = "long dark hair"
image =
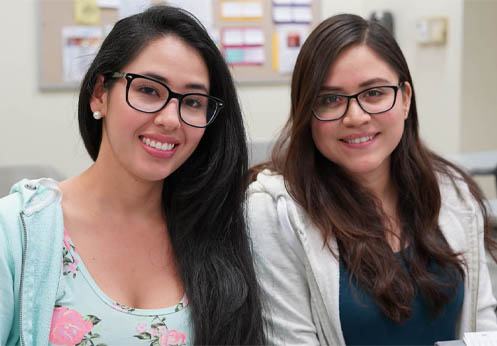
(340, 207)
(204, 198)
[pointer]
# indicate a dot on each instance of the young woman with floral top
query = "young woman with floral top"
(148, 246)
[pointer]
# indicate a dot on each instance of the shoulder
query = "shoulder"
(10, 231)
(10, 207)
(27, 197)
(265, 196)
(268, 182)
(455, 193)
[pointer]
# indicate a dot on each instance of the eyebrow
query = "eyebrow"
(365, 84)
(197, 86)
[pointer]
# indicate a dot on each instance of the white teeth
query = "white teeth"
(157, 145)
(359, 140)
(166, 146)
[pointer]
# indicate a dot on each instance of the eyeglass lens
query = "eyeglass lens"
(374, 100)
(149, 96)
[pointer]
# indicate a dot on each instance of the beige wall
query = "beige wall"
(36, 127)
(42, 127)
(479, 76)
(478, 84)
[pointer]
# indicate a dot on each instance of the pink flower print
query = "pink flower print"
(71, 267)
(68, 327)
(67, 242)
(141, 327)
(172, 337)
(118, 307)
(154, 332)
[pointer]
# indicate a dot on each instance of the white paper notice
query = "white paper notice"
(233, 37)
(231, 9)
(253, 36)
(252, 9)
(79, 46)
(109, 3)
(290, 39)
(282, 14)
(302, 14)
(253, 55)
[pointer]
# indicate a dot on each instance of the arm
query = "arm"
(7, 312)
(10, 267)
(282, 277)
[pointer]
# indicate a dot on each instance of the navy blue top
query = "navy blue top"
(363, 322)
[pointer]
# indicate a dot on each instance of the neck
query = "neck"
(108, 193)
(382, 187)
(380, 184)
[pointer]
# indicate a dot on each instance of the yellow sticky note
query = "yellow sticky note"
(276, 57)
(86, 12)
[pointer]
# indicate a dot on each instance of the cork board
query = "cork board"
(56, 15)
(267, 72)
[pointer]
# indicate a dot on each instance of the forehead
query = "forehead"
(358, 64)
(170, 57)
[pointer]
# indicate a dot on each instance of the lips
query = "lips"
(157, 144)
(357, 139)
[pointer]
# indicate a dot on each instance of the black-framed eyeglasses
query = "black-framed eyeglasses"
(149, 95)
(375, 100)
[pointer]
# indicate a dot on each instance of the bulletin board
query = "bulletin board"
(54, 15)
(283, 24)
(259, 38)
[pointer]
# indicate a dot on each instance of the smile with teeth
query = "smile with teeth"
(359, 140)
(157, 145)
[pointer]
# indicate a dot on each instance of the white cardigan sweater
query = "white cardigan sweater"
(300, 277)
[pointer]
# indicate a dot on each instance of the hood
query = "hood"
(36, 194)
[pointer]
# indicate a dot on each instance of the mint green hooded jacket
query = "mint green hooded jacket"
(31, 236)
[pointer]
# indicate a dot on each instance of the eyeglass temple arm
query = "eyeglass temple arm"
(118, 75)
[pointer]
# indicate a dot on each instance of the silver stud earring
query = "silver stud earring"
(97, 115)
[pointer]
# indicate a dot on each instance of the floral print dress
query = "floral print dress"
(85, 316)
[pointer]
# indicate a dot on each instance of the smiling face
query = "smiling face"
(152, 146)
(359, 142)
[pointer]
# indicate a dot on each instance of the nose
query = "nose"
(168, 117)
(355, 115)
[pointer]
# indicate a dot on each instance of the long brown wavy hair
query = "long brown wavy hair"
(341, 208)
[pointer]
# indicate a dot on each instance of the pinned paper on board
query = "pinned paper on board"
(286, 46)
(79, 47)
(86, 12)
(243, 45)
(242, 10)
(292, 11)
(256, 42)
(109, 3)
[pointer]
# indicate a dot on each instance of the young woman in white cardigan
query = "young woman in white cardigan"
(363, 236)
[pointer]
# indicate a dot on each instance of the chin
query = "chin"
(153, 176)
(362, 168)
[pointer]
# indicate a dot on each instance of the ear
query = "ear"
(98, 101)
(406, 90)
